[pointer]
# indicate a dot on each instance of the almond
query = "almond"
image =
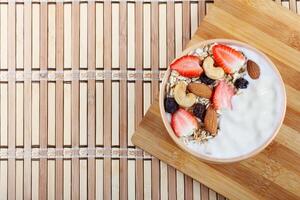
(200, 90)
(253, 69)
(211, 121)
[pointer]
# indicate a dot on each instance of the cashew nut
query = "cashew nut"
(211, 71)
(181, 97)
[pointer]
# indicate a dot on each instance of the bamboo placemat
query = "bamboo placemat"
(75, 80)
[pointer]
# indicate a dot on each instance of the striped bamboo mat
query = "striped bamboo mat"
(76, 78)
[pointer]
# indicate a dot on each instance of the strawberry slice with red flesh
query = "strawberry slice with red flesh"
(188, 66)
(183, 123)
(222, 96)
(228, 58)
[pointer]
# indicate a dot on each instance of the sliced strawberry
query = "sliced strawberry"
(228, 58)
(183, 123)
(187, 66)
(222, 95)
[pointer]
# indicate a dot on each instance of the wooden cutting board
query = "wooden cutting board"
(274, 173)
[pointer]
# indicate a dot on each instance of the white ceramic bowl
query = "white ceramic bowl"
(233, 147)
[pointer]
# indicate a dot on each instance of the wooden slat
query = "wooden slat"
(83, 33)
(59, 62)
(147, 32)
(3, 97)
(99, 179)
(212, 195)
(91, 98)
(186, 27)
(131, 179)
(194, 18)
(51, 179)
(178, 29)
(107, 100)
(35, 113)
(35, 34)
(130, 85)
(204, 192)
(99, 64)
(67, 180)
(3, 44)
(164, 193)
(67, 65)
(3, 179)
(83, 112)
(180, 185)
(188, 187)
(147, 179)
(35, 179)
(19, 45)
(27, 98)
(99, 35)
(196, 190)
(201, 11)
(115, 179)
(99, 113)
(83, 179)
(11, 62)
(115, 84)
(75, 100)
(43, 169)
(19, 89)
(162, 36)
(139, 91)
(123, 99)
(51, 59)
(67, 36)
(154, 49)
(51, 88)
(131, 108)
(154, 90)
(170, 31)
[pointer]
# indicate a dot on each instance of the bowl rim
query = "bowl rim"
(204, 157)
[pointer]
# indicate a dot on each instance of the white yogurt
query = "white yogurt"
(254, 117)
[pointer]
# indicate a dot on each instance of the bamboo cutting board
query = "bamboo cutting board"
(274, 173)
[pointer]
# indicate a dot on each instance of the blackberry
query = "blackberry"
(241, 83)
(199, 111)
(204, 79)
(171, 105)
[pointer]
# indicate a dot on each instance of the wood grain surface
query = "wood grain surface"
(274, 173)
